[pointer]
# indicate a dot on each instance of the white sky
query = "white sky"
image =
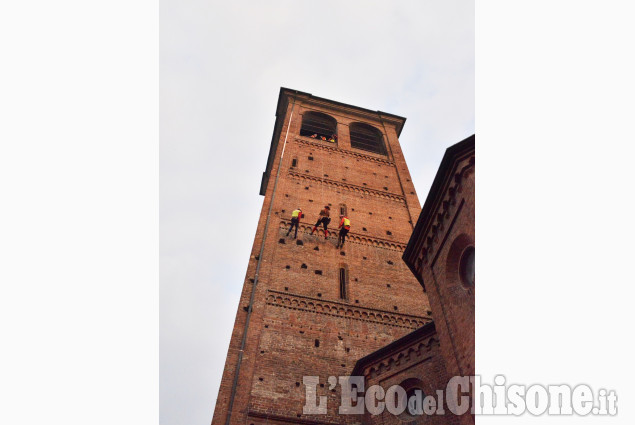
(221, 67)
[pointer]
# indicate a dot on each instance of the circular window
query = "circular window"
(467, 267)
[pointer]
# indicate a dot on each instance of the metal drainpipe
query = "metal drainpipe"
(253, 288)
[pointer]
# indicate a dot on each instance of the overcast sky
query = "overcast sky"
(221, 67)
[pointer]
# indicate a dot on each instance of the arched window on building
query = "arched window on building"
(367, 137)
(343, 210)
(319, 126)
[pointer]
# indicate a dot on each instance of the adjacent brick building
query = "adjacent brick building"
(440, 254)
(307, 308)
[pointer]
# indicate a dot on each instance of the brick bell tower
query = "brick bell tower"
(307, 308)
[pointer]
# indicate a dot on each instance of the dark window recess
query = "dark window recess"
(310, 158)
(368, 138)
(297, 384)
(466, 267)
(299, 242)
(294, 162)
(340, 338)
(319, 294)
(287, 267)
(326, 175)
(317, 343)
(284, 210)
(318, 272)
(306, 188)
(281, 240)
(395, 307)
(246, 308)
(343, 283)
(306, 171)
(364, 229)
(388, 232)
(385, 187)
(251, 280)
(356, 301)
(303, 266)
(286, 288)
(310, 200)
(389, 218)
(348, 350)
(317, 248)
(342, 253)
(266, 326)
(342, 209)
(261, 379)
(364, 258)
(388, 285)
(390, 262)
(320, 124)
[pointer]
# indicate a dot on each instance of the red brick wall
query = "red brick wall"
(451, 301)
(294, 306)
(419, 360)
(443, 233)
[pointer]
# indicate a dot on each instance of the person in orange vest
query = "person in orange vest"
(345, 226)
(296, 215)
(323, 219)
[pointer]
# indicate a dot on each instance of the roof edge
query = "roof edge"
(447, 162)
(428, 328)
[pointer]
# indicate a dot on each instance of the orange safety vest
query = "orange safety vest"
(295, 213)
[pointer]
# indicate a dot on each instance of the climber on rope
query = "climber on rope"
(296, 215)
(345, 226)
(324, 219)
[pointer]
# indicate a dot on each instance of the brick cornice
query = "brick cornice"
(440, 206)
(362, 190)
(343, 310)
(414, 353)
(351, 237)
(334, 148)
(445, 213)
(410, 348)
(252, 412)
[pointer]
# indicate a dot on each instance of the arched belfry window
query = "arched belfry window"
(367, 137)
(319, 126)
